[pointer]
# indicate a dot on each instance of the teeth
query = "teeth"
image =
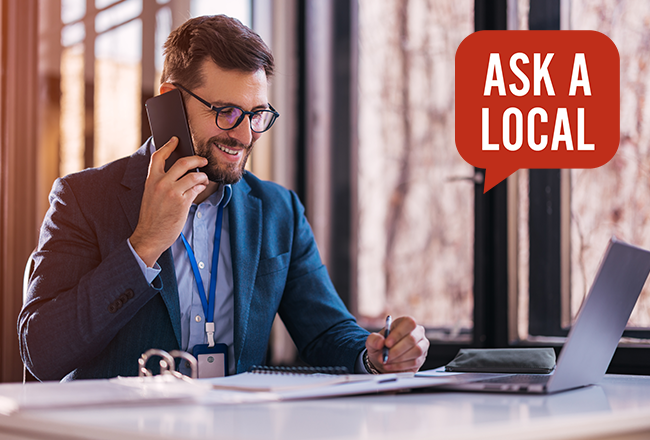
(226, 150)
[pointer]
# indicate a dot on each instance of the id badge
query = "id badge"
(212, 361)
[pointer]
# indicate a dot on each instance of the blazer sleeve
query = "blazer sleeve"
(83, 290)
(324, 331)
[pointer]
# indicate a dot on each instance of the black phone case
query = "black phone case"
(167, 118)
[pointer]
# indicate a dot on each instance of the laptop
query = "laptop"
(593, 338)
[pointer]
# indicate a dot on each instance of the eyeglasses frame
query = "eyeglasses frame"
(276, 115)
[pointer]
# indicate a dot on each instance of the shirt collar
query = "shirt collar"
(223, 193)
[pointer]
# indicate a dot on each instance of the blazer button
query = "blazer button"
(123, 298)
(112, 308)
(129, 293)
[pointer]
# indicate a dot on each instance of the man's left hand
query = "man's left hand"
(407, 347)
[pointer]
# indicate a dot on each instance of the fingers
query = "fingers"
(407, 343)
(192, 185)
(404, 334)
(166, 150)
(185, 164)
(375, 341)
(401, 328)
(180, 167)
(159, 156)
(174, 187)
(411, 360)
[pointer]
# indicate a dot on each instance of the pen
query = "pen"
(386, 333)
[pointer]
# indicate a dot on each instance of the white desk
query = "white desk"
(617, 408)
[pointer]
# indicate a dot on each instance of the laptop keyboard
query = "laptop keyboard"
(520, 378)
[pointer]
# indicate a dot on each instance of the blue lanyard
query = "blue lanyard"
(207, 303)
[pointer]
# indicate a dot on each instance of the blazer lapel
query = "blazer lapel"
(245, 217)
(133, 180)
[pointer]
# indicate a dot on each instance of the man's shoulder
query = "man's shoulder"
(115, 168)
(111, 172)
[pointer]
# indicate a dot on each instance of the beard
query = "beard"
(223, 173)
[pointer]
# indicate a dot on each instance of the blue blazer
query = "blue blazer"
(90, 312)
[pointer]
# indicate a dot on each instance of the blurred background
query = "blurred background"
(366, 138)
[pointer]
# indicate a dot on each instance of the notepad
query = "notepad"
(256, 382)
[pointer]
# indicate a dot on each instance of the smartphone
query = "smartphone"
(167, 118)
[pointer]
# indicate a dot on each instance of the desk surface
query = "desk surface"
(619, 407)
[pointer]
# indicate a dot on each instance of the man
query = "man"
(126, 249)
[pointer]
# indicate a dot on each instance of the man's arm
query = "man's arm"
(87, 284)
(323, 329)
(325, 333)
(68, 317)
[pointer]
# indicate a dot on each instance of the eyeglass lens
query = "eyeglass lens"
(228, 117)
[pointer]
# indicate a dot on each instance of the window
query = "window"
(614, 199)
(415, 193)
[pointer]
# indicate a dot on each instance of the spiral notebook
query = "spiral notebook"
(265, 379)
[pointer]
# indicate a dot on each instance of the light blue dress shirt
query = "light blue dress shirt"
(199, 231)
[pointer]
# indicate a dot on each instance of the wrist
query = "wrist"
(149, 257)
(368, 365)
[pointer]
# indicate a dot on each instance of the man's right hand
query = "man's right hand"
(166, 202)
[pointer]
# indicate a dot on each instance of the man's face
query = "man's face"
(226, 150)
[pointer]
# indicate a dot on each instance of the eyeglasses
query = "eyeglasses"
(230, 116)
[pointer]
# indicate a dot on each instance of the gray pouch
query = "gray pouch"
(503, 360)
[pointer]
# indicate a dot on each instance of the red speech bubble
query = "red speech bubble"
(536, 99)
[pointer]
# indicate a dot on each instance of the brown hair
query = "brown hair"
(224, 40)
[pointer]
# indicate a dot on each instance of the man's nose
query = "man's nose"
(242, 132)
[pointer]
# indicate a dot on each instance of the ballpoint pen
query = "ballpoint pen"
(386, 333)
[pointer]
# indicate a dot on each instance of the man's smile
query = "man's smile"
(229, 154)
(227, 150)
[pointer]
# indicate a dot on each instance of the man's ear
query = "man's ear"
(166, 87)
